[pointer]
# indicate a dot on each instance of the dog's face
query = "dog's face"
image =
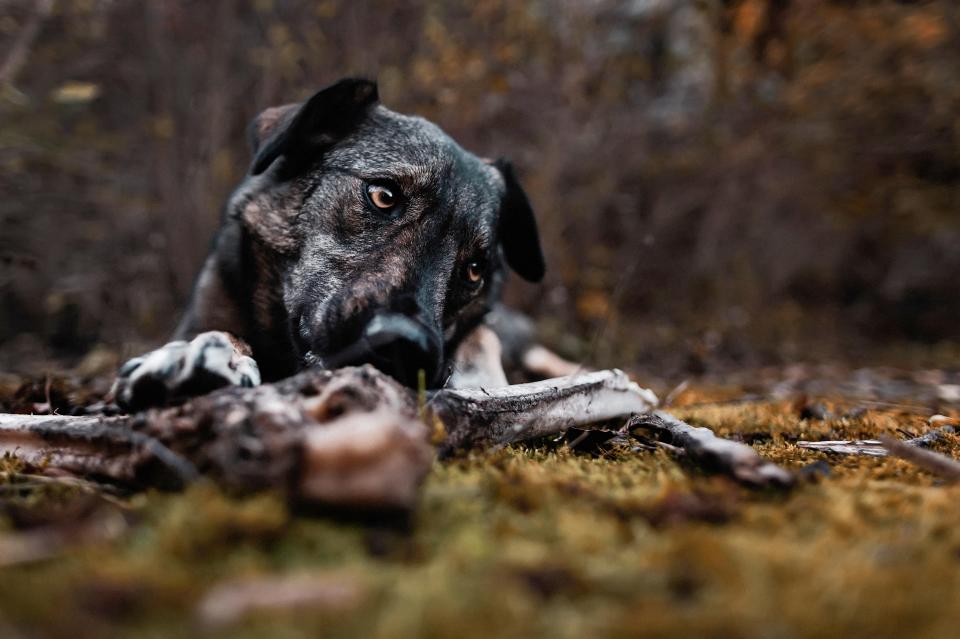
(389, 240)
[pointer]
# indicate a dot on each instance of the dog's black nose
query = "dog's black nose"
(401, 347)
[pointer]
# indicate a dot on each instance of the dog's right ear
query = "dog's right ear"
(298, 132)
(517, 228)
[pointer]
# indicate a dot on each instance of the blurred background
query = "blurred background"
(720, 184)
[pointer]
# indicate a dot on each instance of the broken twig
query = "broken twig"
(929, 460)
(872, 447)
(869, 447)
(702, 446)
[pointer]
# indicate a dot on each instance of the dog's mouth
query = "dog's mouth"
(394, 343)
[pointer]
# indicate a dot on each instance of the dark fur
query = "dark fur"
(303, 261)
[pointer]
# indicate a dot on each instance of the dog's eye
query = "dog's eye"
(473, 273)
(383, 196)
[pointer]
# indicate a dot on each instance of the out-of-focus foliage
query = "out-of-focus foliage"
(742, 181)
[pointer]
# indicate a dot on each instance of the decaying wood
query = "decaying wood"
(370, 459)
(351, 437)
(927, 459)
(872, 447)
(100, 447)
(869, 447)
(703, 447)
(476, 417)
(348, 437)
(911, 450)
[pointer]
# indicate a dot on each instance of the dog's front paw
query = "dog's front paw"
(183, 369)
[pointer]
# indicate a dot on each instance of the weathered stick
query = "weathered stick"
(102, 447)
(347, 437)
(872, 447)
(508, 414)
(869, 447)
(927, 459)
(738, 460)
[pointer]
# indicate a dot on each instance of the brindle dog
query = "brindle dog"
(359, 235)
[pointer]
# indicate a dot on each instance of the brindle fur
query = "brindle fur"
(303, 261)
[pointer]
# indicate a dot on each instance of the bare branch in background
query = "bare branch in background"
(929, 460)
(17, 56)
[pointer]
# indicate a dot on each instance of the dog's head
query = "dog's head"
(388, 239)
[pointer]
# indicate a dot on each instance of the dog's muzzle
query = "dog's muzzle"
(398, 345)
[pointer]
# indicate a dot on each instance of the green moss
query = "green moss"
(538, 540)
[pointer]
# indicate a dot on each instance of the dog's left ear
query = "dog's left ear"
(297, 132)
(517, 228)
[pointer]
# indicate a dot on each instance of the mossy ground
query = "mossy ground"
(533, 541)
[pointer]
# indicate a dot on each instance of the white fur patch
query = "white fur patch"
(180, 369)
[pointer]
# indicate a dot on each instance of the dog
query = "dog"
(359, 235)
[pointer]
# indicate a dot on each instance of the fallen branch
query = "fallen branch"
(347, 437)
(927, 459)
(703, 447)
(475, 418)
(869, 447)
(872, 447)
(350, 437)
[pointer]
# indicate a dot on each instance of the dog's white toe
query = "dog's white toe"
(183, 369)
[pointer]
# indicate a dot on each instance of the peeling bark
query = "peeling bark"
(478, 417)
(348, 437)
(352, 437)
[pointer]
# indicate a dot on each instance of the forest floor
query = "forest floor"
(531, 540)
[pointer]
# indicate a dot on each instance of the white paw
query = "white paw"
(477, 362)
(183, 369)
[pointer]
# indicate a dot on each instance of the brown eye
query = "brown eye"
(383, 196)
(474, 273)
